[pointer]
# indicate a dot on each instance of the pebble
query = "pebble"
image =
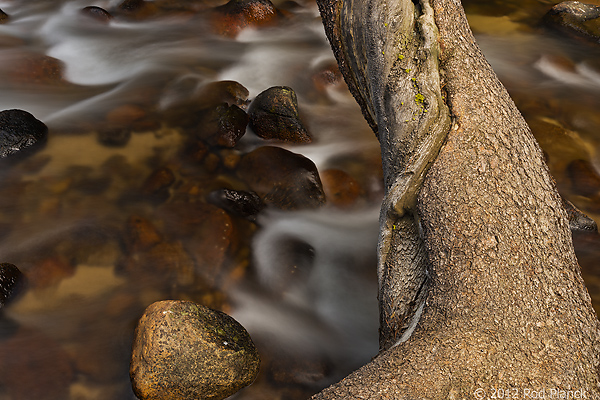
(184, 351)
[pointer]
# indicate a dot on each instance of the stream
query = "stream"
(98, 242)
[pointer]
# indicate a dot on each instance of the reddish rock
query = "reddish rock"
(49, 272)
(274, 115)
(229, 19)
(341, 189)
(207, 231)
(282, 179)
(33, 68)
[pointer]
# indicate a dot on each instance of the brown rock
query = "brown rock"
(341, 189)
(207, 231)
(274, 115)
(4, 18)
(185, 351)
(281, 178)
(229, 19)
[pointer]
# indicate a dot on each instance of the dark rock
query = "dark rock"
(239, 203)
(97, 13)
(137, 9)
(585, 180)
(215, 114)
(131, 5)
(283, 179)
(20, 133)
(341, 189)
(183, 350)
(274, 115)
(223, 125)
(11, 279)
(229, 92)
(575, 19)
(114, 137)
(578, 221)
(4, 18)
(229, 19)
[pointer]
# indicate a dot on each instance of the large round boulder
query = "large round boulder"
(185, 351)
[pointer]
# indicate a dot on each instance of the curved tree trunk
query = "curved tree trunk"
(475, 247)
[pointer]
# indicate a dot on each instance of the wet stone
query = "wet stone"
(96, 13)
(274, 115)
(229, 19)
(282, 179)
(20, 133)
(3, 17)
(223, 125)
(578, 221)
(576, 19)
(183, 350)
(237, 202)
(11, 279)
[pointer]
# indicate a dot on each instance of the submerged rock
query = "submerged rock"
(182, 350)
(575, 19)
(341, 189)
(237, 202)
(283, 179)
(274, 115)
(20, 133)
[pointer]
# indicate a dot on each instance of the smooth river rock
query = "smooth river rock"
(185, 351)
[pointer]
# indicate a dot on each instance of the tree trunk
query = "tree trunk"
(475, 248)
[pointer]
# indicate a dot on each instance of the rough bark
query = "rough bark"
(486, 243)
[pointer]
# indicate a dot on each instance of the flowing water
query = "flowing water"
(301, 282)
